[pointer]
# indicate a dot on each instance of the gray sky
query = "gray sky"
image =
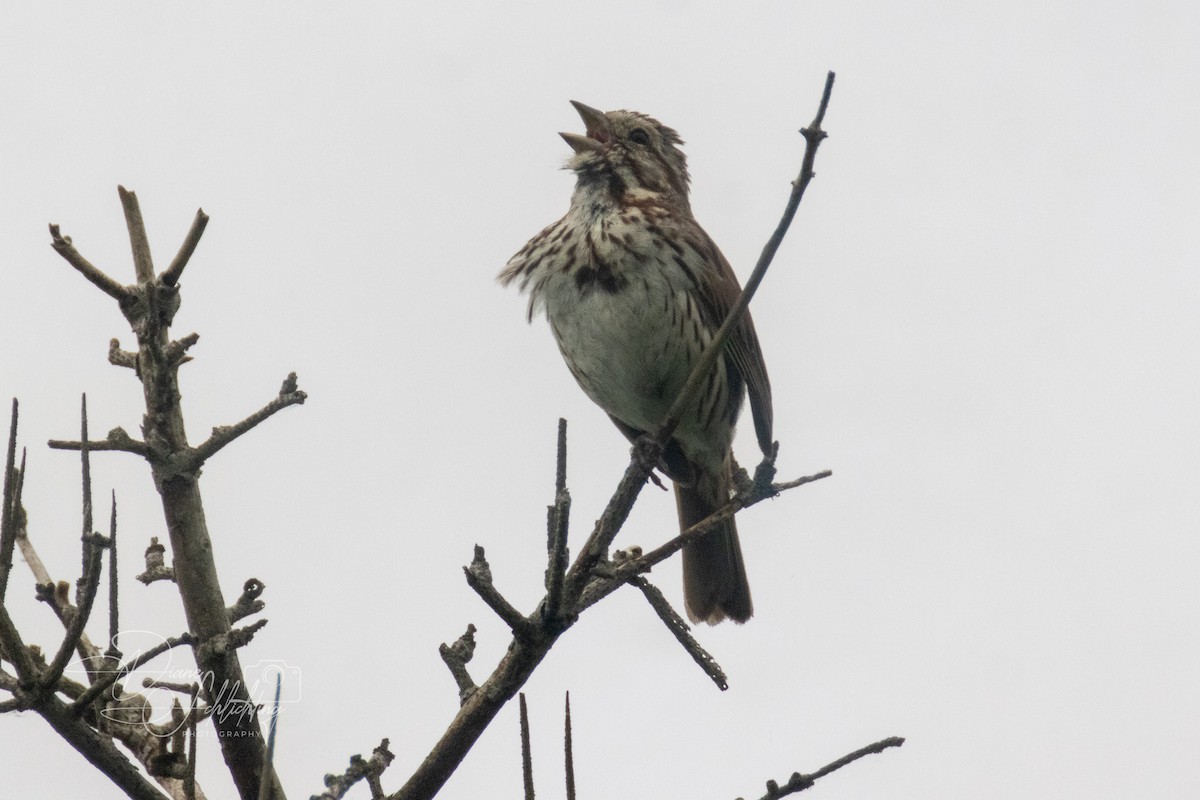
(984, 321)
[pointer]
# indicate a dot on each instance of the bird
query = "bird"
(634, 289)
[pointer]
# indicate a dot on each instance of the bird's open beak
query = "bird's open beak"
(599, 131)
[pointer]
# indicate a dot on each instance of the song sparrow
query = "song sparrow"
(634, 289)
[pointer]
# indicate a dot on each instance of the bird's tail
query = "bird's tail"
(714, 577)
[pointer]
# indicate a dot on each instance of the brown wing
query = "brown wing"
(719, 290)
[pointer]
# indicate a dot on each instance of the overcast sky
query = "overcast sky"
(984, 321)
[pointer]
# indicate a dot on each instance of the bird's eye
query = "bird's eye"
(639, 136)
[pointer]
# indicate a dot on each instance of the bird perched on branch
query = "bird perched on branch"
(634, 290)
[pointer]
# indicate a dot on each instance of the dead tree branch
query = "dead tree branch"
(369, 769)
(681, 631)
(8, 527)
(799, 782)
(568, 750)
(457, 656)
(38, 685)
(526, 750)
(150, 305)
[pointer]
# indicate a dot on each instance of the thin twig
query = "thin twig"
(526, 750)
(89, 581)
(62, 245)
(117, 439)
(799, 782)
(248, 602)
(8, 530)
(456, 656)
(189, 781)
(98, 749)
(812, 136)
(171, 276)
(103, 683)
(479, 578)
(568, 751)
(606, 582)
(783, 487)
(224, 643)
(120, 358)
(680, 630)
(558, 522)
(176, 351)
(265, 786)
(139, 242)
(93, 549)
(336, 786)
(610, 522)
(114, 625)
(156, 566)
(222, 435)
(15, 650)
(669, 548)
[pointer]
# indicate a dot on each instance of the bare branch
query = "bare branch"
(613, 575)
(558, 520)
(149, 308)
(783, 487)
(176, 352)
(171, 276)
(15, 651)
(120, 358)
(680, 630)
(89, 580)
(156, 568)
(645, 456)
(669, 548)
(526, 749)
(248, 603)
(93, 550)
(289, 395)
(97, 749)
(264, 787)
(38, 693)
(139, 242)
(225, 643)
(114, 626)
(369, 769)
(62, 245)
(117, 439)
(813, 135)
(8, 528)
(40, 574)
(568, 751)
(111, 677)
(476, 714)
(479, 578)
(456, 657)
(189, 780)
(799, 782)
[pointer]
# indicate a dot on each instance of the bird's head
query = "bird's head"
(629, 152)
